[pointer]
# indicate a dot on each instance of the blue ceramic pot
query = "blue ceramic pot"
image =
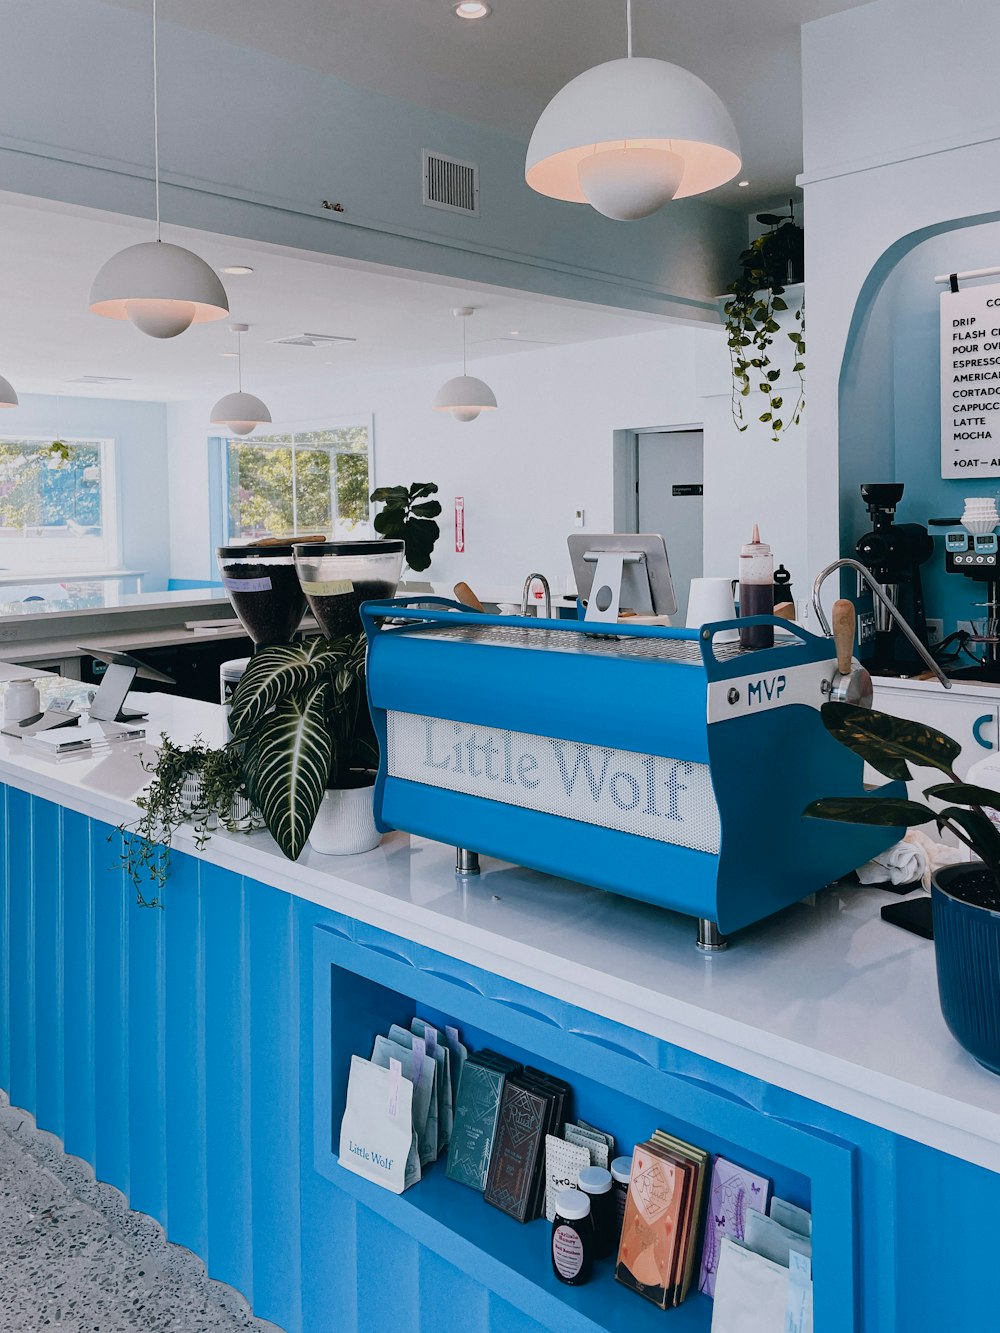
(967, 949)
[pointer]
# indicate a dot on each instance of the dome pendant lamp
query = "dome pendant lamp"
(163, 289)
(628, 136)
(465, 396)
(240, 412)
(8, 398)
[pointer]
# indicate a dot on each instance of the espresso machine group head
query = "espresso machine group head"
(894, 552)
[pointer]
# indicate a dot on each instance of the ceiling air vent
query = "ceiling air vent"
(312, 340)
(451, 184)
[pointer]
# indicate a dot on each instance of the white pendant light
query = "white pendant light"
(240, 412)
(630, 135)
(465, 396)
(163, 289)
(8, 398)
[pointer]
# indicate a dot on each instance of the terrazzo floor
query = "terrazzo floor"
(73, 1257)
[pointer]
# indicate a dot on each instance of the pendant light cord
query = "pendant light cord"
(239, 359)
(156, 127)
(628, 26)
(465, 369)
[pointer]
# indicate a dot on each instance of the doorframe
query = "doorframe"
(626, 470)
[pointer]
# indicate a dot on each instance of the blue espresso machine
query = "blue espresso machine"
(662, 764)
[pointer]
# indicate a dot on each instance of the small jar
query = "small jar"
(573, 1238)
(21, 701)
(595, 1182)
(621, 1171)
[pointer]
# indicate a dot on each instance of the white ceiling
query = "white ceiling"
(502, 70)
(49, 254)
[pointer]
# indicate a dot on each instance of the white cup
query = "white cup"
(20, 701)
(710, 600)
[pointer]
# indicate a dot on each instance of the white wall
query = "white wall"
(139, 433)
(901, 135)
(546, 452)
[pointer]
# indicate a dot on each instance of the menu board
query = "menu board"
(970, 382)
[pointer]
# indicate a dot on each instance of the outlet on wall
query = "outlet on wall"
(935, 631)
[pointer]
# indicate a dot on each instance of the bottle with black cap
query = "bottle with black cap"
(595, 1181)
(573, 1238)
(621, 1172)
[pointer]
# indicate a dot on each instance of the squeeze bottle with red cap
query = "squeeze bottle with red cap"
(756, 590)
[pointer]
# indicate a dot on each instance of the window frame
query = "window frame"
(221, 533)
(111, 515)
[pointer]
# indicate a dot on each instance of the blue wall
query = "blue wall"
(890, 395)
(139, 431)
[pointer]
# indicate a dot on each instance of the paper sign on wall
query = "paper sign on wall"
(970, 382)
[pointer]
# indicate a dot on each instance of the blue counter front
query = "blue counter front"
(196, 1056)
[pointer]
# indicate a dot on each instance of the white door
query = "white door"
(669, 478)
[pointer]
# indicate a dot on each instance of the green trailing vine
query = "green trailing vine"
(165, 805)
(757, 297)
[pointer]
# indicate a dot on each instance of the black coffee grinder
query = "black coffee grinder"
(894, 552)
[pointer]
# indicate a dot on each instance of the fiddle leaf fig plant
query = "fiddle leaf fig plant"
(409, 515)
(891, 745)
(758, 295)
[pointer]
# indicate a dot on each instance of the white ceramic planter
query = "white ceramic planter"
(243, 816)
(345, 824)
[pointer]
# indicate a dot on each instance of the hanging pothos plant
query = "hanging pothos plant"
(768, 264)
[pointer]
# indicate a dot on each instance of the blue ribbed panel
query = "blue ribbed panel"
(144, 1017)
(185, 1162)
(20, 959)
(4, 941)
(77, 892)
(227, 1080)
(49, 1055)
(113, 904)
(274, 1104)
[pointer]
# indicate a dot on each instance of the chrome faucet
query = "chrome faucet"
(545, 589)
(887, 605)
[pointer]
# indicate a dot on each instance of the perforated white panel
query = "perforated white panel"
(670, 800)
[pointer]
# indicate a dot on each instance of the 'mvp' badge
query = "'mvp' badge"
(768, 689)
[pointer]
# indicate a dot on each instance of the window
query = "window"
(302, 481)
(57, 506)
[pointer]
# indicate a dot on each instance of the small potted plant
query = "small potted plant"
(191, 784)
(300, 720)
(408, 515)
(965, 897)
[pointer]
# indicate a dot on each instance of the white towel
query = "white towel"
(902, 864)
(937, 854)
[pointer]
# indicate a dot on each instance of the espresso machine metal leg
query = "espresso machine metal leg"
(709, 938)
(466, 862)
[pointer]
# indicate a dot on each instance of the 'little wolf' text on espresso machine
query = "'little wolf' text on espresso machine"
(656, 763)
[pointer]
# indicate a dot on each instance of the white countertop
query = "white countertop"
(824, 999)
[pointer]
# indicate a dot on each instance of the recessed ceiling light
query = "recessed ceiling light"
(742, 184)
(238, 270)
(472, 9)
(227, 353)
(514, 332)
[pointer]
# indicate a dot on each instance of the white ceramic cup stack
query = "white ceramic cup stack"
(710, 600)
(980, 516)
